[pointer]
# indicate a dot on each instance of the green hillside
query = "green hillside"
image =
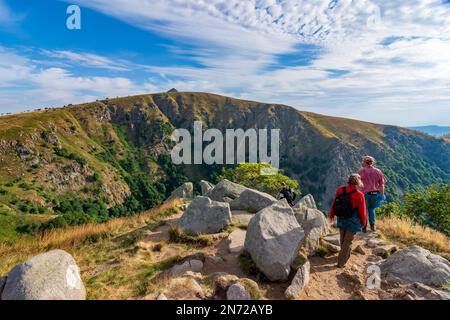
(90, 162)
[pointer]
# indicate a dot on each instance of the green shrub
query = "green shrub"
(429, 206)
(249, 175)
(70, 155)
(25, 186)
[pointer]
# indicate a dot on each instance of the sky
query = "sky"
(374, 60)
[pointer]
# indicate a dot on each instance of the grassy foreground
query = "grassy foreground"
(404, 231)
(104, 253)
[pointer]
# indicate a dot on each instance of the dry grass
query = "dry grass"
(405, 231)
(70, 239)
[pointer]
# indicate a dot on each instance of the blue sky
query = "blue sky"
(374, 60)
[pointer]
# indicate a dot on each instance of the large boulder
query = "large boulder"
(314, 223)
(49, 276)
(205, 186)
(416, 264)
(273, 240)
(252, 201)
(185, 191)
(204, 216)
(225, 191)
(307, 201)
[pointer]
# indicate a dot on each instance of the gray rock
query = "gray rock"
(331, 247)
(185, 191)
(273, 240)
(385, 250)
(373, 243)
(205, 186)
(236, 241)
(334, 238)
(225, 191)
(237, 292)
(204, 216)
(311, 243)
(252, 200)
(299, 282)
(416, 264)
(49, 276)
(429, 292)
(180, 270)
(241, 217)
(307, 201)
(314, 219)
(314, 223)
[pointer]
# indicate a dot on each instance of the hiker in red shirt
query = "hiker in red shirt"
(349, 207)
(374, 181)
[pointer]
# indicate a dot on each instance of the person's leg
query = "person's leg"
(367, 200)
(346, 247)
(371, 210)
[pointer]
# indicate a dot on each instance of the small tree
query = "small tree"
(249, 175)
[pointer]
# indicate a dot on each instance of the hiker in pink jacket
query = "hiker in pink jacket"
(374, 181)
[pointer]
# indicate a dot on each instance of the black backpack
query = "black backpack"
(342, 206)
(292, 194)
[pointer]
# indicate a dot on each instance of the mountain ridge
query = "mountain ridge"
(113, 149)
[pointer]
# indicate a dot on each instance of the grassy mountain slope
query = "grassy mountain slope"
(111, 156)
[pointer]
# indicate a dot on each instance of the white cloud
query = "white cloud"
(236, 41)
(25, 84)
(87, 60)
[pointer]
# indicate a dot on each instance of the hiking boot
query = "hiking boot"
(365, 230)
(373, 228)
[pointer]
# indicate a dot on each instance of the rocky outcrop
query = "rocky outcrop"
(204, 216)
(252, 201)
(273, 240)
(225, 191)
(299, 282)
(185, 191)
(49, 276)
(205, 186)
(416, 264)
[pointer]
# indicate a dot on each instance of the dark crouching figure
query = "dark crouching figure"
(287, 193)
(350, 209)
